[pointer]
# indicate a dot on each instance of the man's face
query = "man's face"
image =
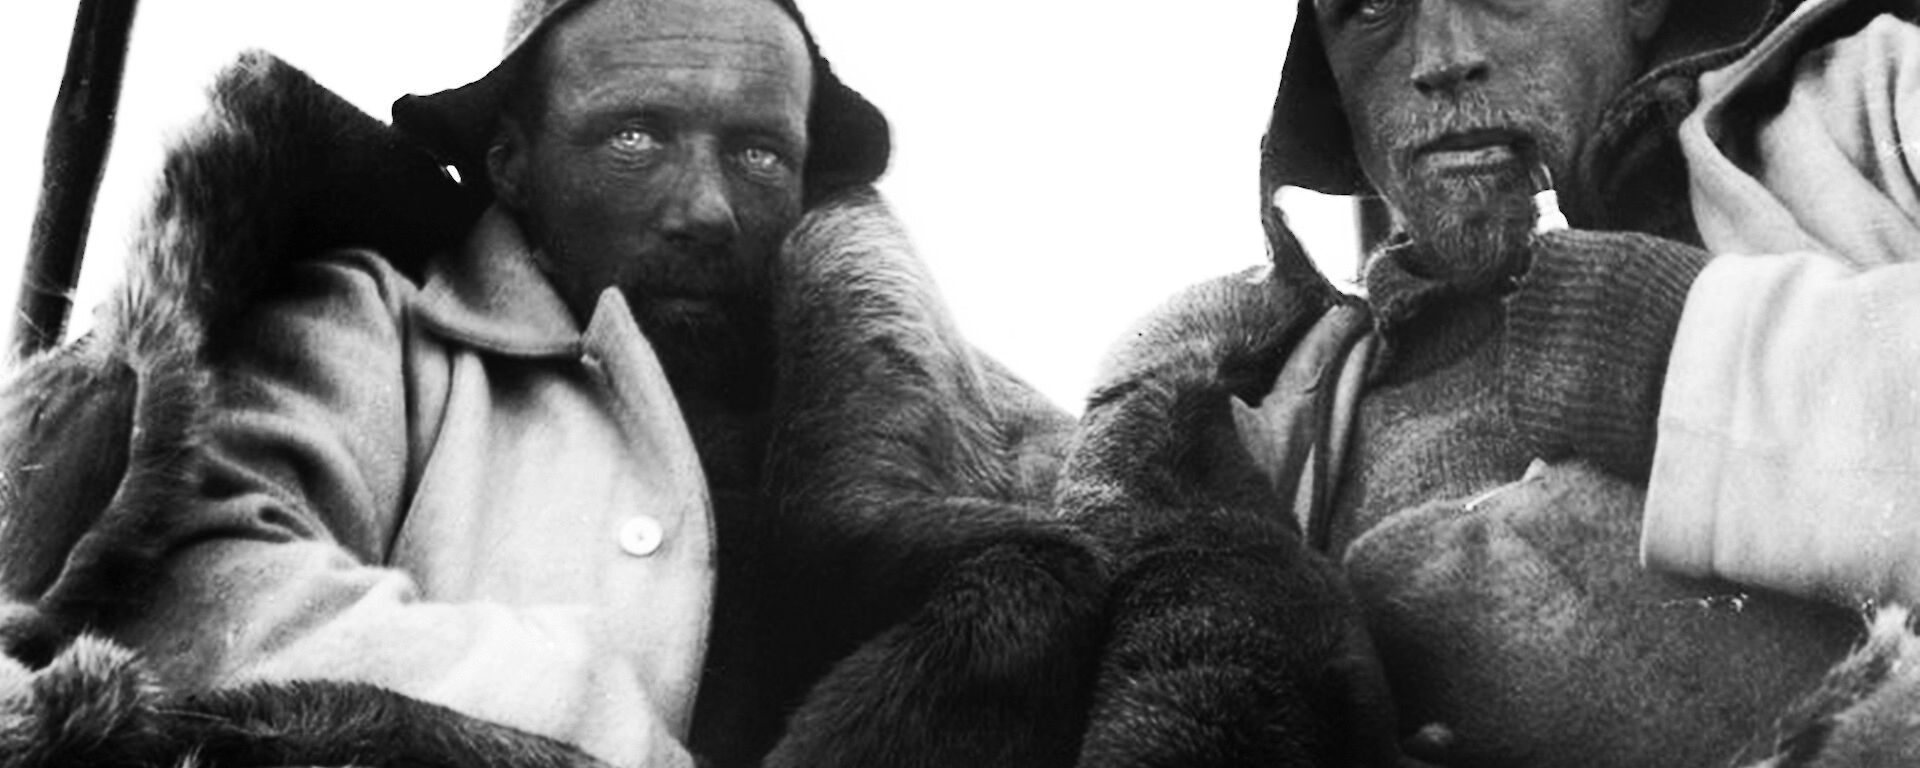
(666, 161)
(1452, 103)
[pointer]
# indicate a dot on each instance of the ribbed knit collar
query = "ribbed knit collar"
(1426, 324)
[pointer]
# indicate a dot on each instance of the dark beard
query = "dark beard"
(722, 354)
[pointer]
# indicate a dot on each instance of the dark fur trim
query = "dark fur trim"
(1232, 642)
(96, 706)
(91, 706)
(318, 174)
(913, 524)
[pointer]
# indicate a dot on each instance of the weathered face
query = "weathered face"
(667, 158)
(1452, 102)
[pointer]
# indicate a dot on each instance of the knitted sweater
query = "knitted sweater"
(1492, 590)
(1431, 425)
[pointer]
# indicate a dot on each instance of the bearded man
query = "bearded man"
(1474, 437)
(575, 447)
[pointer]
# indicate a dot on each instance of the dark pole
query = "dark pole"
(78, 138)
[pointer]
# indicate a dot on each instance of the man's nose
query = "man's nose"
(700, 211)
(1448, 52)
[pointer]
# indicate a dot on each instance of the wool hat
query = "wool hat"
(850, 140)
(1309, 141)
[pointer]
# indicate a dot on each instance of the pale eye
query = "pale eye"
(634, 140)
(761, 160)
(1375, 9)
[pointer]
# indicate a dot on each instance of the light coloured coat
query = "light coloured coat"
(507, 507)
(1789, 448)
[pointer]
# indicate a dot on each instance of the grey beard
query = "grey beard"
(1474, 237)
(1470, 232)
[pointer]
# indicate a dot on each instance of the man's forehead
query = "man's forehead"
(696, 52)
(751, 34)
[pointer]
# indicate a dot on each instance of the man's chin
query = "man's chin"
(1475, 241)
(719, 347)
(691, 310)
(699, 321)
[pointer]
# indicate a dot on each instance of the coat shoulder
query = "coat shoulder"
(277, 171)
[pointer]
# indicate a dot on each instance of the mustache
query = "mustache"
(698, 270)
(1408, 127)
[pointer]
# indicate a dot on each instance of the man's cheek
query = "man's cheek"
(765, 214)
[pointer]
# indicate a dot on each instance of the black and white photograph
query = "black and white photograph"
(1027, 383)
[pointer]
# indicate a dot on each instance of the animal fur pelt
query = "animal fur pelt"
(1233, 643)
(96, 706)
(913, 479)
(1862, 715)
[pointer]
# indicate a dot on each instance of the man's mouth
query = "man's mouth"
(683, 303)
(689, 299)
(1472, 152)
(687, 304)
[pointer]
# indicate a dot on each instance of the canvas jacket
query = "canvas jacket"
(506, 505)
(1789, 448)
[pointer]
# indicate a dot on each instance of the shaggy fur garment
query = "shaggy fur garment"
(1233, 643)
(96, 706)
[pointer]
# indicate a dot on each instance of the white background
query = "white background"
(1062, 165)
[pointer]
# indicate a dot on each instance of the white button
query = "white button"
(641, 536)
